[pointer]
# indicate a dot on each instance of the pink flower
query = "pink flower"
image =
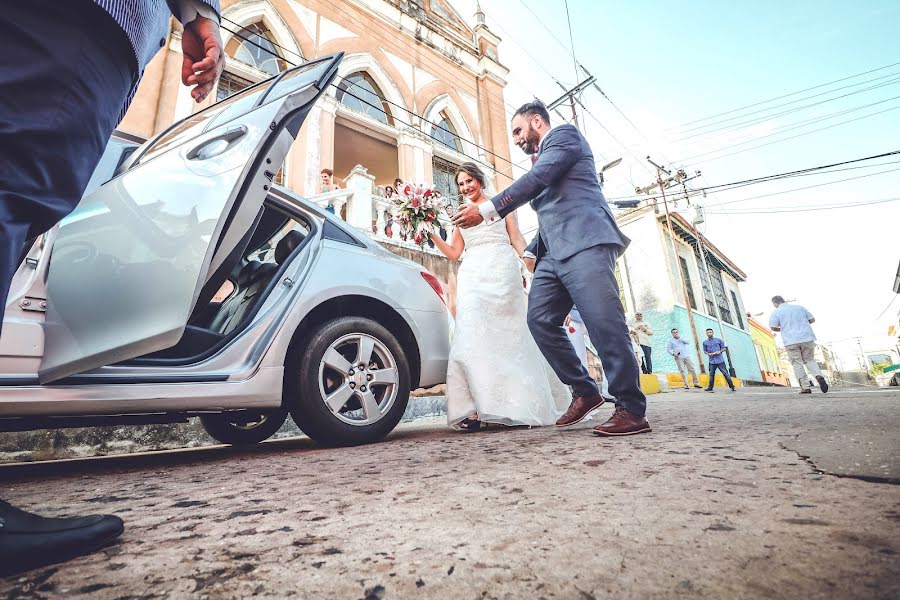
(428, 193)
(415, 203)
(418, 239)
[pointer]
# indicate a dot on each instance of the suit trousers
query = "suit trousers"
(66, 69)
(587, 280)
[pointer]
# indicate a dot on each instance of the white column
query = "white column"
(359, 208)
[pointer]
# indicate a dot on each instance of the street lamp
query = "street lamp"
(606, 167)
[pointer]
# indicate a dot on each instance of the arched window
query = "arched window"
(255, 48)
(359, 92)
(444, 133)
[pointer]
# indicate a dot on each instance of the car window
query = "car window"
(233, 107)
(266, 252)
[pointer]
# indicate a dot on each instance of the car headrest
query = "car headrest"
(287, 245)
(251, 273)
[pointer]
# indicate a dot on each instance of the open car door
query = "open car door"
(129, 263)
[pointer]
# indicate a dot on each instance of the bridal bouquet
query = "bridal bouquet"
(415, 211)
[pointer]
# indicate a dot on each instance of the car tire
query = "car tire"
(335, 402)
(242, 428)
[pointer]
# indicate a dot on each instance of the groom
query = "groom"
(575, 249)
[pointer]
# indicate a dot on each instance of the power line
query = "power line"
(435, 125)
(787, 95)
(795, 109)
(757, 120)
(810, 208)
(799, 125)
(787, 174)
(792, 137)
(808, 187)
(571, 51)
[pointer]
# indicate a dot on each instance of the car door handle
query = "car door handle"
(216, 145)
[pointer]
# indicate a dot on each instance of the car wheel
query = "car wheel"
(350, 384)
(243, 427)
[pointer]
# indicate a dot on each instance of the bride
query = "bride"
(496, 372)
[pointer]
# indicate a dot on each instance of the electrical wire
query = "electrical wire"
(832, 126)
(811, 208)
(796, 108)
(779, 176)
(787, 95)
(402, 122)
(791, 126)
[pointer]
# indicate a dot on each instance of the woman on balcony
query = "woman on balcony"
(496, 372)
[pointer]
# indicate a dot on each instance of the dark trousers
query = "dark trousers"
(712, 374)
(65, 72)
(648, 364)
(586, 280)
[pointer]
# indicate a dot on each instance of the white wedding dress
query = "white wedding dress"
(496, 368)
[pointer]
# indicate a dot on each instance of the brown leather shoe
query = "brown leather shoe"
(580, 409)
(623, 422)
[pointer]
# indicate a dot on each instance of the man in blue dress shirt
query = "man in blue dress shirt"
(714, 348)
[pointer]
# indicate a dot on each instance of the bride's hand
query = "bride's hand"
(529, 263)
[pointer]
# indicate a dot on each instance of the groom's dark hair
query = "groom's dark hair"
(535, 107)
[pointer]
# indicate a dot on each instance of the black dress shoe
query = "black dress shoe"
(28, 541)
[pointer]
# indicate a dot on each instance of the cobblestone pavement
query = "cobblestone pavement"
(714, 503)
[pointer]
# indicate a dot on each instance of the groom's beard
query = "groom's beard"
(532, 141)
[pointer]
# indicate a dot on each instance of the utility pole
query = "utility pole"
(705, 267)
(687, 303)
(570, 95)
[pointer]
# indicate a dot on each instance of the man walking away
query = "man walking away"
(679, 349)
(643, 332)
(795, 324)
(714, 349)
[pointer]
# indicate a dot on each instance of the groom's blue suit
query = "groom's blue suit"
(576, 247)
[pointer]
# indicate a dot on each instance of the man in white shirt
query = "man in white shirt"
(643, 332)
(795, 324)
(680, 350)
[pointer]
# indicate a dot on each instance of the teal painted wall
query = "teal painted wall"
(740, 343)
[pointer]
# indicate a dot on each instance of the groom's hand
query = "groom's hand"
(467, 216)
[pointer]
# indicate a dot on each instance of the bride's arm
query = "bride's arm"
(454, 249)
(515, 235)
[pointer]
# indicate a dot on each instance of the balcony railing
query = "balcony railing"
(361, 208)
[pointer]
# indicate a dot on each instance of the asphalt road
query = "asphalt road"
(731, 496)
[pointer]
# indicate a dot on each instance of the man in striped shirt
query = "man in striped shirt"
(68, 70)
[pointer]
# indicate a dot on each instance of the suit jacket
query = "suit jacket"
(146, 23)
(563, 190)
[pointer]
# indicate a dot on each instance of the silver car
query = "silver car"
(186, 284)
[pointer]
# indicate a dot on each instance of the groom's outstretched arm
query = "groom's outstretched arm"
(561, 150)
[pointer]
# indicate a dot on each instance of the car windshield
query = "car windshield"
(235, 106)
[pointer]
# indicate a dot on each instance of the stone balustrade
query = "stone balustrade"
(362, 209)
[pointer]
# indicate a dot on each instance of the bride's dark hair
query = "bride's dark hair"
(472, 170)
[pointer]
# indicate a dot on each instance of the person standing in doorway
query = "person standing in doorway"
(795, 324)
(715, 349)
(643, 332)
(680, 351)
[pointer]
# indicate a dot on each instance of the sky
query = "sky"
(670, 69)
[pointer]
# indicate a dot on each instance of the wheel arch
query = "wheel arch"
(367, 307)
